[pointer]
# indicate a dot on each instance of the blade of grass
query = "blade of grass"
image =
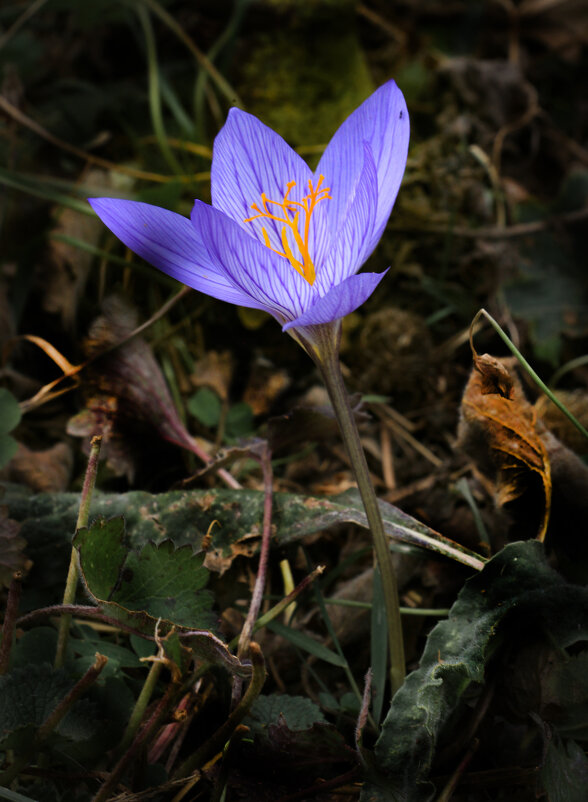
(333, 635)
(307, 644)
(154, 91)
(16, 181)
(538, 381)
(222, 84)
(182, 118)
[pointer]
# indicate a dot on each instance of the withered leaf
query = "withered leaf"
(500, 430)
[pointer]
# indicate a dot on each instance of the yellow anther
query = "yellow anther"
(291, 212)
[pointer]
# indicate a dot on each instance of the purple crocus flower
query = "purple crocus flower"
(277, 236)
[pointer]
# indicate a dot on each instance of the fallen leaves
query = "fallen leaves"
(500, 430)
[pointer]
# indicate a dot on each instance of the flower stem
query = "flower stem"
(330, 368)
(71, 584)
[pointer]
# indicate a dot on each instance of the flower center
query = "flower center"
(290, 212)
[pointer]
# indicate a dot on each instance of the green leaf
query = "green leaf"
(206, 407)
(10, 413)
(185, 516)
(239, 421)
(517, 588)
(158, 582)
(8, 448)
(158, 585)
(299, 712)
(28, 695)
(292, 731)
(565, 771)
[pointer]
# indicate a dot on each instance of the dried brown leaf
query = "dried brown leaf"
(499, 429)
(46, 471)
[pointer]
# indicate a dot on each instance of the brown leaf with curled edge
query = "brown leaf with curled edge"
(500, 430)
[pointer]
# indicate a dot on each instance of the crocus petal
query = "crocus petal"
(251, 159)
(268, 280)
(382, 122)
(351, 245)
(340, 301)
(168, 241)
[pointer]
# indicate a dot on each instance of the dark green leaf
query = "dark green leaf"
(10, 413)
(206, 407)
(516, 590)
(565, 771)
(28, 695)
(8, 448)
(299, 712)
(158, 582)
(239, 421)
(185, 516)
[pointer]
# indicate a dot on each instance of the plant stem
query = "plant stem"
(143, 736)
(257, 595)
(330, 368)
(9, 620)
(71, 584)
(141, 705)
(224, 732)
(51, 722)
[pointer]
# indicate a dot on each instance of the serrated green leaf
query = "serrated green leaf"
(299, 712)
(292, 730)
(160, 581)
(517, 583)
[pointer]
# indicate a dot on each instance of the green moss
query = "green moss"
(305, 75)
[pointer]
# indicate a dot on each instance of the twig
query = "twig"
(74, 570)
(27, 122)
(260, 579)
(519, 230)
(222, 734)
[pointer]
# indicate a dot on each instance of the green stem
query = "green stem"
(141, 705)
(218, 739)
(330, 368)
(51, 722)
(71, 584)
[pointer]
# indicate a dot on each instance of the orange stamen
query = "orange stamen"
(291, 212)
